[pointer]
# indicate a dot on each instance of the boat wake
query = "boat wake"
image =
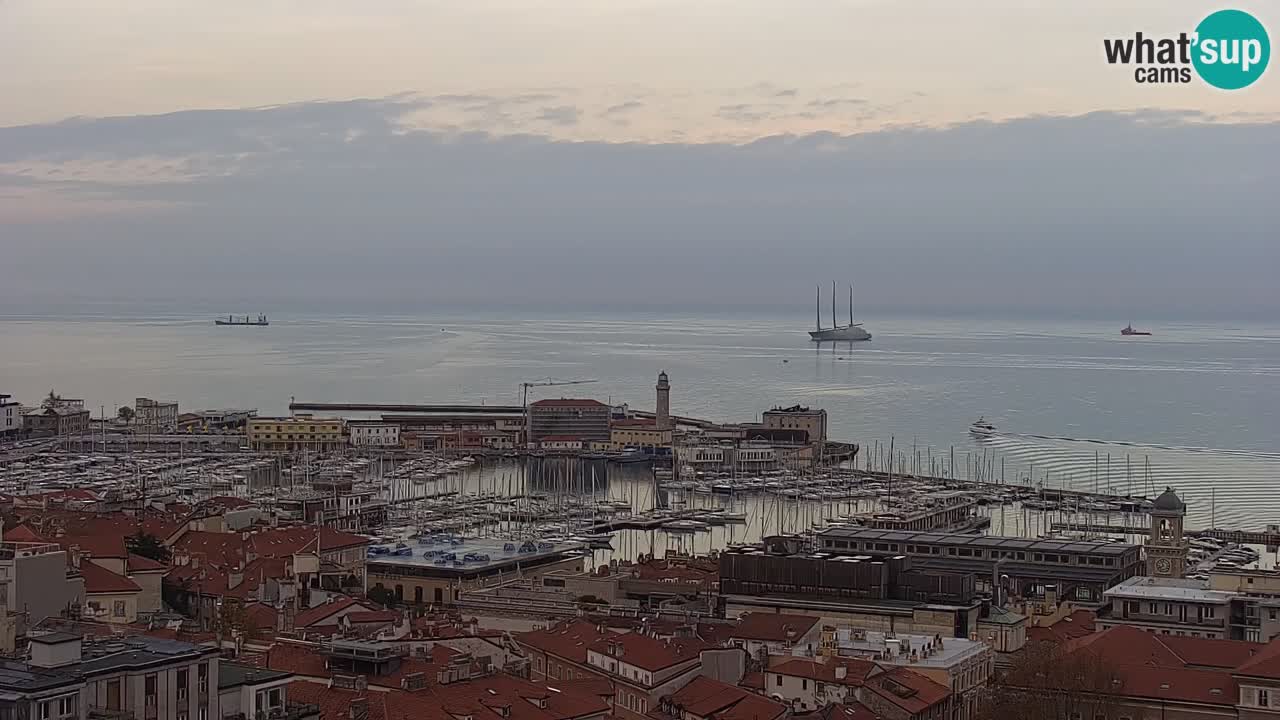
(1221, 486)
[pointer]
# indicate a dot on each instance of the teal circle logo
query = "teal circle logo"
(1232, 49)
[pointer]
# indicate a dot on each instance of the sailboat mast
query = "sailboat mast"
(817, 305)
(834, 322)
(850, 304)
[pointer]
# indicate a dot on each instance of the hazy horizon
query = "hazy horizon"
(644, 154)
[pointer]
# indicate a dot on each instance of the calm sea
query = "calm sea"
(1195, 406)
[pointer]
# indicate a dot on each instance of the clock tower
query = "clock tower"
(1166, 548)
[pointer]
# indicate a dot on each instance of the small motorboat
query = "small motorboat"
(982, 427)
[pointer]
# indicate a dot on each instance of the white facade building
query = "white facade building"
(10, 416)
(375, 435)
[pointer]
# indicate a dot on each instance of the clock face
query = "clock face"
(1163, 566)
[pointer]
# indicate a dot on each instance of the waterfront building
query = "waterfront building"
(873, 592)
(440, 571)
(155, 416)
(108, 597)
(587, 420)
(567, 443)
(1079, 570)
(10, 416)
(56, 420)
(639, 433)
(798, 417)
(298, 433)
(221, 419)
(373, 433)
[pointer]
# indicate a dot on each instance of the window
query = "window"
(202, 678)
(46, 708)
(804, 683)
(203, 713)
(1264, 698)
(779, 683)
(183, 681)
(150, 682)
(117, 608)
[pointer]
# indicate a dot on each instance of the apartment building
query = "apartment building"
(586, 420)
(141, 677)
(10, 416)
(297, 433)
(1169, 606)
(154, 415)
(373, 434)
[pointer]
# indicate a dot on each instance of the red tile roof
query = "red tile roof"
(320, 613)
(22, 533)
(98, 579)
(139, 563)
(1166, 667)
(1078, 624)
(567, 640)
(1210, 653)
(1266, 664)
(909, 690)
(373, 616)
(856, 670)
(705, 697)
(773, 627)
(568, 402)
(335, 704)
(649, 653)
(99, 546)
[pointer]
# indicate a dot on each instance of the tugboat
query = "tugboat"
(982, 427)
(1128, 330)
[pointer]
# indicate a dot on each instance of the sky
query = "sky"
(634, 153)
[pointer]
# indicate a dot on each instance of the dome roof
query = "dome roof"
(1169, 502)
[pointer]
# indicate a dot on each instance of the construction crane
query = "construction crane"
(546, 382)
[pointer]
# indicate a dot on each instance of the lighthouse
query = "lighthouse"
(663, 414)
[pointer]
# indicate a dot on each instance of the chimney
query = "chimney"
(841, 672)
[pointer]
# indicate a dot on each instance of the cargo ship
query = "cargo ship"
(237, 320)
(1128, 330)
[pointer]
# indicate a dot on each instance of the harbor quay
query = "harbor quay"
(656, 558)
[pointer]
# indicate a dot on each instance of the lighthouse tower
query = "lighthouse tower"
(663, 414)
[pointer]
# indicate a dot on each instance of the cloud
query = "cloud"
(624, 107)
(561, 115)
(1149, 212)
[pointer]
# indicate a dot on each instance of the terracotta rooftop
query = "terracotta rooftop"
(567, 640)
(856, 670)
(568, 402)
(773, 627)
(907, 689)
(705, 697)
(320, 613)
(650, 653)
(98, 579)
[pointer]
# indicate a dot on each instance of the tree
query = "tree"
(1048, 683)
(382, 596)
(233, 620)
(126, 414)
(148, 546)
